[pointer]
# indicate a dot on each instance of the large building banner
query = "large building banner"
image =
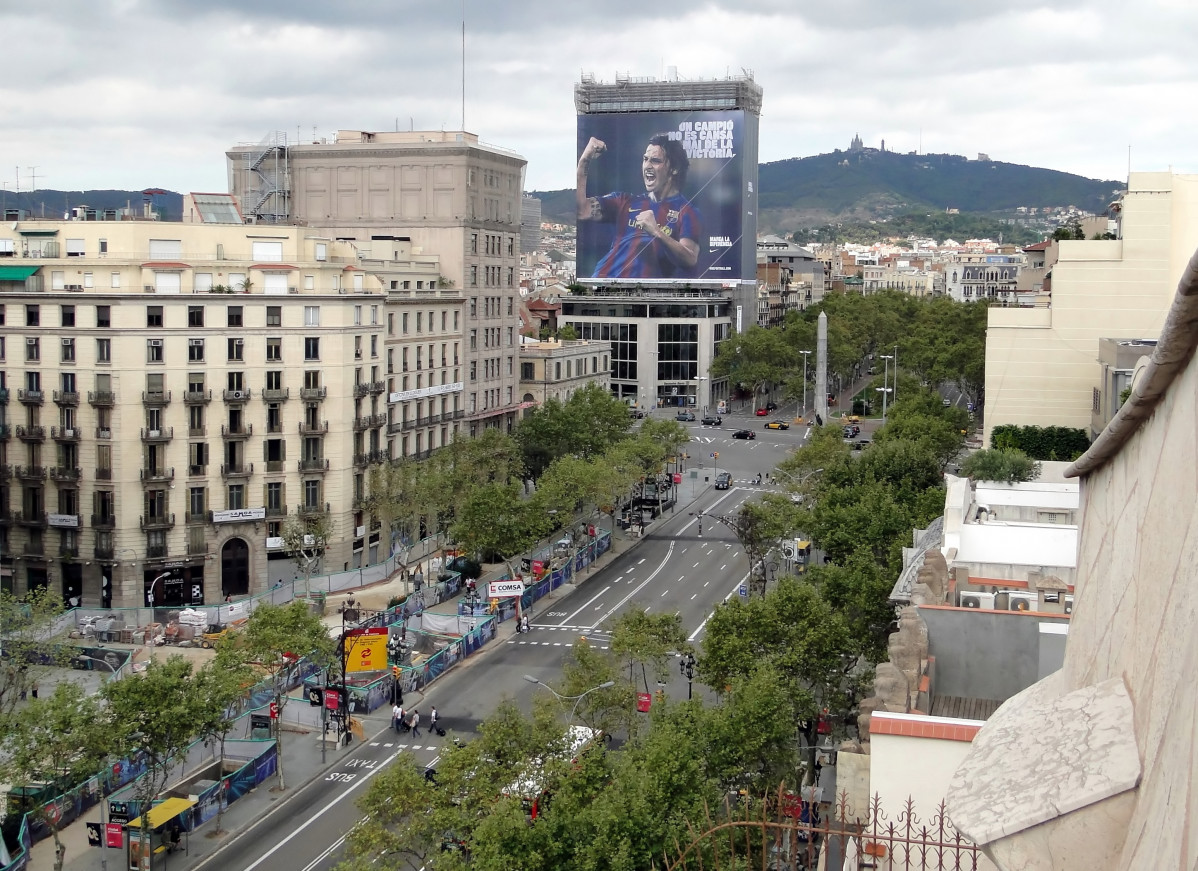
(662, 197)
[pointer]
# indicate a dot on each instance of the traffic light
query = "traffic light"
(715, 454)
(395, 672)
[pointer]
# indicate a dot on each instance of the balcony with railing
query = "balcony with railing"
(31, 397)
(281, 395)
(158, 436)
(66, 434)
(275, 466)
(5, 431)
(103, 433)
(65, 474)
(313, 510)
(197, 471)
(376, 386)
(33, 548)
(104, 551)
(157, 551)
(158, 521)
(361, 390)
(5, 515)
(5, 471)
(31, 433)
(314, 428)
(197, 397)
(369, 421)
(241, 432)
(381, 456)
(104, 474)
(3, 396)
(197, 432)
(103, 521)
(30, 518)
(238, 395)
(67, 398)
(156, 398)
(158, 475)
(236, 470)
(68, 550)
(30, 473)
(313, 394)
(196, 548)
(101, 398)
(276, 510)
(314, 465)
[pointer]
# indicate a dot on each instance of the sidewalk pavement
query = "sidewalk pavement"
(300, 753)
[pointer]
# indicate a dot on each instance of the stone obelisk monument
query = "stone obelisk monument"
(821, 369)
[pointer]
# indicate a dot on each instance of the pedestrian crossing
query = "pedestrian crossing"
(392, 744)
(522, 642)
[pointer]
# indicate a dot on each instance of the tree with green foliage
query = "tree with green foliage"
(275, 638)
(620, 472)
(919, 418)
(157, 714)
(645, 641)
(1041, 442)
(497, 523)
(1009, 465)
(567, 333)
(305, 540)
(755, 359)
(58, 740)
(794, 631)
(585, 425)
(859, 591)
(30, 642)
(221, 685)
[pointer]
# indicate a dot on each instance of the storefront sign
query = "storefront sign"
(63, 521)
(239, 515)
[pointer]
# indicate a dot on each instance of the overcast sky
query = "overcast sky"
(131, 94)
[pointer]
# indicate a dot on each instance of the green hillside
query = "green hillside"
(870, 185)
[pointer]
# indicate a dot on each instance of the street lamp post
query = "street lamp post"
(894, 389)
(576, 699)
(805, 354)
(150, 593)
(687, 667)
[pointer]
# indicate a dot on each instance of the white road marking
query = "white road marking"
(724, 566)
(731, 593)
(320, 813)
(664, 561)
(695, 566)
(693, 595)
(583, 608)
(641, 560)
(663, 593)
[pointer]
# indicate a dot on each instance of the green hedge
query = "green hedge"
(1041, 442)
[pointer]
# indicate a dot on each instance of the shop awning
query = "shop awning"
(163, 813)
(17, 273)
(41, 232)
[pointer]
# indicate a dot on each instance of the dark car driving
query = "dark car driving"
(744, 434)
(723, 480)
(685, 416)
(712, 420)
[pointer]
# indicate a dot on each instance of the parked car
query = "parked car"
(771, 406)
(685, 416)
(469, 569)
(762, 412)
(946, 403)
(723, 481)
(636, 413)
(852, 431)
(744, 434)
(712, 420)
(777, 424)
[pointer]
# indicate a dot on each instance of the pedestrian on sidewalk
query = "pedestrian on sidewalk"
(432, 721)
(524, 623)
(415, 722)
(396, 716)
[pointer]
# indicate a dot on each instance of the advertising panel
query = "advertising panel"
(503, 589)
(366, 650)
(662, 196)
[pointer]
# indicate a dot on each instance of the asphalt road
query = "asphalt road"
(675, 568)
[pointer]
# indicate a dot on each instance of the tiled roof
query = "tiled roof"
(912, 726)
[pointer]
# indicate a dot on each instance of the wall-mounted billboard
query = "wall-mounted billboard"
(662, 196)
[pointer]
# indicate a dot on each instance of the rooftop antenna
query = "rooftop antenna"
(463, 66)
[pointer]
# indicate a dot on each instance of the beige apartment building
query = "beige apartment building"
(449, 194)
(559, 369)
(1041, 363)
(171, 393)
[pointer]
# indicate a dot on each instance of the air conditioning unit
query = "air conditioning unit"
(105, 434)
(196, 343)
(1021, 602)
(66, 343)
(68, 433)
(31, 341)
(155, 343)
(239, 341)
(1068, 604)
(981, 601)
(239, 394)
(155, 433)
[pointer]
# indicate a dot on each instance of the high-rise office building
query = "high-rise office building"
(446, 193)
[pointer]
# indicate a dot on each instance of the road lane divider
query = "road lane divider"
(731, 593)
(664, 561)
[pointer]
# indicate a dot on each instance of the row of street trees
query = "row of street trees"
(939, 341)
(151, 718)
